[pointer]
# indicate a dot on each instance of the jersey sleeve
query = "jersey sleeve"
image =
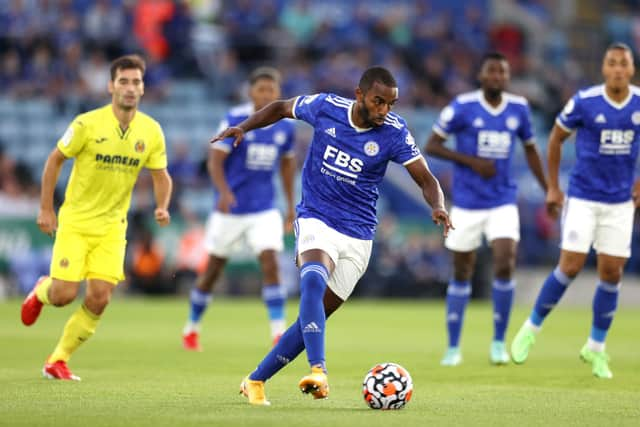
(307, 107)
(525, 133)
(405, 150)
(570, 117)
(158, 156)
(450, 120)
(74, 138)
(226, 144)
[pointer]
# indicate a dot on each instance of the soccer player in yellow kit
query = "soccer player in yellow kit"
(110, 145)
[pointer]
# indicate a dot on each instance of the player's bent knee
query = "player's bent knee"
(571, 268)
(504, 270)
(610, 274)
(96, 303)
(62, 292)
(463, 274)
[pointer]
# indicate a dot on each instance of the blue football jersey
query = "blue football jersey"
(606, 144)
(345, 163)
(489, 132)
(250, 166)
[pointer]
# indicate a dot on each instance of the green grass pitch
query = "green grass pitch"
(135, 373)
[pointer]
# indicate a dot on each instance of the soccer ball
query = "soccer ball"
(387, 386)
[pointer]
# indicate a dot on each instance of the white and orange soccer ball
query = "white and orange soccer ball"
(387, 386)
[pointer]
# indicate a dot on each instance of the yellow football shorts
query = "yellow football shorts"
(77, 256)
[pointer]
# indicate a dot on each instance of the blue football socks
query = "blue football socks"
(605, 302)
(288, 348)
(313, 282)
(502, 294)
(274, 298)
(199, 301)
(552, 290)
(458, 293)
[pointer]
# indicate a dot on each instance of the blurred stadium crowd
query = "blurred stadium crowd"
(54, 60)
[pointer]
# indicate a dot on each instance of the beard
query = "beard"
(493, 93)
(366, 116)
(126, 105)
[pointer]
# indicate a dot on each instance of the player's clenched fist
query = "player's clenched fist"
(47, 221)
(162, 217)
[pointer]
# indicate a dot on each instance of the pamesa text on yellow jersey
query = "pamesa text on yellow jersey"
(106, 167)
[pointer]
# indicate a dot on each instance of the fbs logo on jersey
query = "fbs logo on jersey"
(340, 165)
(616, 141)
(494, 144)
(139, 147)
(342, 159)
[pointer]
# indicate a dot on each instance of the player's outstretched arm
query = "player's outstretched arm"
(435, 147)
(162, 186)
(555, 196)
(432, 193)
(47, 220)
(266, 116)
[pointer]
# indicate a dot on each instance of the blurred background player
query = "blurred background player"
(243, 178)
(352, 144)
(110, 146)
(600, 206)
(486, 124)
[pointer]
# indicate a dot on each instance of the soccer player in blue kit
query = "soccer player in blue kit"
(486, 124)
(353, 142)
(601, 200)
(243, 178)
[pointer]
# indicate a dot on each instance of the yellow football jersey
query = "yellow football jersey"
(106, 167)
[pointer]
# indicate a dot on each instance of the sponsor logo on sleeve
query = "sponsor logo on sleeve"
(68, 135)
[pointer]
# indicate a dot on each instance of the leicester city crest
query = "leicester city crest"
(139, 147)
(279, 137)
(635, 118)
(512, 123)
(371, 148)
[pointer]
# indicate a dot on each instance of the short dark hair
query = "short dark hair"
(127, 62)
(264, 73)
(490, 56)
(620, 46)
(376, 74)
